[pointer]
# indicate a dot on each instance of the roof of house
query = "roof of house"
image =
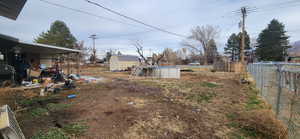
(29, 47)
(127, 58)
(11, 8)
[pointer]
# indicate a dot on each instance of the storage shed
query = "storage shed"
(123, 62)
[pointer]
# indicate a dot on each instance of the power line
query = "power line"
(282, 5)
(88, 13)
(135, 20)
(125, 35)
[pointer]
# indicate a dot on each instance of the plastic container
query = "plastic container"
(72, 96)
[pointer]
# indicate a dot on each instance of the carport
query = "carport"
(37, 54)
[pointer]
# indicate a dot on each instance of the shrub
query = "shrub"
(261, 123)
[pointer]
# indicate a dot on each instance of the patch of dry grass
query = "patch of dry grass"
(261, 124)
(135, 102)
(156, 127)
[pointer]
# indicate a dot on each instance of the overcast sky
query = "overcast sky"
(177, 16)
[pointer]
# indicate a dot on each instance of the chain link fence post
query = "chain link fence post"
(279, 91)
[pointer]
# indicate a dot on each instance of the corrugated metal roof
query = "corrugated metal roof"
(35, 47)
(11, 8)
(43, 48)
(127, 58)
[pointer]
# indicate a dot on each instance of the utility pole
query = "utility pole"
(94, 51)
(242, 49)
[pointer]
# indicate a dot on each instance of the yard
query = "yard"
(201, 105)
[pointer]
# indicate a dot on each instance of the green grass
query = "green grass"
(232, 116)
(254, 103)
(202, 97)
(37, 112)
(209, 84)
(249, 132)
(68, 131)
(75, 128)
(57, 106)
(53, 133)
(233, 124)
(236, 135)
(35, 100)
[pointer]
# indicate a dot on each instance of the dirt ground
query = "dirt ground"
(201, 105)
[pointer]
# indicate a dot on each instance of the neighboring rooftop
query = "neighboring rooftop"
(127, 58)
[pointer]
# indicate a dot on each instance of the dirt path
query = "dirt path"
(129, 110)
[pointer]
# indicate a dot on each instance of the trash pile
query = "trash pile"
(87, 79)
(56, 83)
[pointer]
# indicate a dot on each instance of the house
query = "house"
(123, 62)
(18, 55)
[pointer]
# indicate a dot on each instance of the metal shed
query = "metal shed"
(166, 72)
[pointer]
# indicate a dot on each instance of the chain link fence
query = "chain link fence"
(279, 85)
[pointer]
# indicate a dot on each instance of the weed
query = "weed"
(58, 106)
(254, 103)
(209, 84)
(75, 128)
(202, 97)
(248, 132)
(233, 124)
(236, 135)
(253, 90)
(232, 116)
(37, 100)
(53, 133)
(37, 112)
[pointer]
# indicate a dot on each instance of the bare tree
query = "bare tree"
(140, 51)
(170, 56)
(156, 58)
(202, 35)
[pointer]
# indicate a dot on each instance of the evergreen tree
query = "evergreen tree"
(233, 46)
(58, 35)
(272, 42)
